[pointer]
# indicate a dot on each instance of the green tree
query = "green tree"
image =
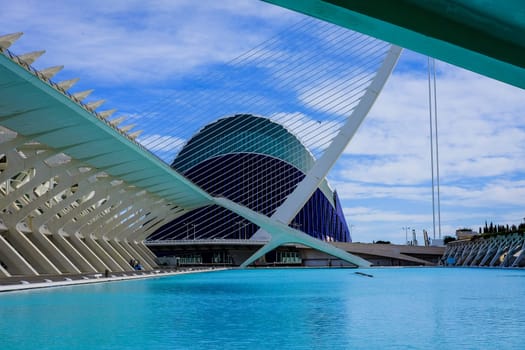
(448, 239)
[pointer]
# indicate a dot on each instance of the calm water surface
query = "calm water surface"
(411, 308)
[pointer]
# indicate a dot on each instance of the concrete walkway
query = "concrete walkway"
(12, 284)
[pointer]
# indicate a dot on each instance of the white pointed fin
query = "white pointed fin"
(106, 114)
(127, 127)
(29, 58)
(95, 104)
(117, 121)
(79, 96)
(135, 134)
(7, 40)
(50, 72)
(67, 84)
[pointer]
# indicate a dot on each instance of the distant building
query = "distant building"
(256, 162)
(465, 233)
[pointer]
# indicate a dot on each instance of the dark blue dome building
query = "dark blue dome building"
(257, 163)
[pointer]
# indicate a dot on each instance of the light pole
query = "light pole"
(406, 228)
(187, 224)
(350, 228)
(238, 229)
(242, 225)
(194, 226)
(244, 228)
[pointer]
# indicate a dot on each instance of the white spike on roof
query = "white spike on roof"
(127, 127)
(117, 121)
(50, 72)
(135, 134)
(79, 96)
(67, 84)
(7, 40)
(106, 114)
(94, 105)
(29, 58)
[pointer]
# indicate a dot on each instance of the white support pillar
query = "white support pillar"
(521, 255)
(102, 254)
(148, 262)
(73, 254)
(495, 260)
(491, 250)
(16, 264)
(53, 253)
(114, 254)
(122, 251)
(134, 253)
(145, 253)
(4, 272)
(31, 253)
(87, 253)
(146, 250)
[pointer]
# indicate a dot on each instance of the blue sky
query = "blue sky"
(134, 53)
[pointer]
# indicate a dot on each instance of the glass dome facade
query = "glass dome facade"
(257, 163)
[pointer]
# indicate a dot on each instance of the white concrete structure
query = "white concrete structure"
(79, 195)
(297, 199)
(505, 250)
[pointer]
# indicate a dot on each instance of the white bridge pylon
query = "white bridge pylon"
(284, 215)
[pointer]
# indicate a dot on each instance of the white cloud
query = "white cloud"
(363, 214)
(496, 193)
(114, 41)
(481, 132)
(386, 168)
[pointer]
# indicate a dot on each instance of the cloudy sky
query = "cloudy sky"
(134, 53)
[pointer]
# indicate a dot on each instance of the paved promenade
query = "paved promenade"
(11, 284)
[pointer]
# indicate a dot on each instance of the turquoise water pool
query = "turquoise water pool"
(411, 308)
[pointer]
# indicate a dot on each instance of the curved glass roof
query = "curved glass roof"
(243, 133)
(246, 133)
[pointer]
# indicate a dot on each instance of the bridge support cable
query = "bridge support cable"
(294, 202)
(308, 90)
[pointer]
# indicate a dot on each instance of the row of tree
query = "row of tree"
(492, 228)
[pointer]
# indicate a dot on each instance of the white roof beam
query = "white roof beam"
(7, 40)
(50, 72)
(127, 127)
(79, 96)
(135, 134)
(67, 84)
(106, 114)
(95, 104)
(31, 57)
(117, 121)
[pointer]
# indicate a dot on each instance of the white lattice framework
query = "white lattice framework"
(78, 194)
